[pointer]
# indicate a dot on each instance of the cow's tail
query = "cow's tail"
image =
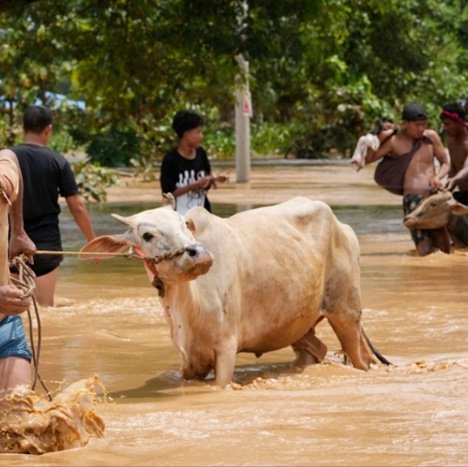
(379, 356)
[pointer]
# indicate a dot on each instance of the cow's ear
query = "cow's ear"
(191, 225)
(105, 247)
(458, 209)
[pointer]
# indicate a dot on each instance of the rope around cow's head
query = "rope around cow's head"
(150, 265)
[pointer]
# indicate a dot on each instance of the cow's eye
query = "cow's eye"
(147, 236)
(433, 205)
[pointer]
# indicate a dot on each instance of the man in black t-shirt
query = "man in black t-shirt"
(185, 170)
(46, 176)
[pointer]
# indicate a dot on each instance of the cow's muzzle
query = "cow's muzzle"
(409, 221)
(201, 259)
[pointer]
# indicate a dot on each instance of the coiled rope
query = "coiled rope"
(25, 282)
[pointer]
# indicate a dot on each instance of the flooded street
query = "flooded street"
(110, 323)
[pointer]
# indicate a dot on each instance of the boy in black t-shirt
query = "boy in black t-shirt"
(186, 170)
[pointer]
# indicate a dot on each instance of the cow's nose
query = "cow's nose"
(192, 250)
(409, 221)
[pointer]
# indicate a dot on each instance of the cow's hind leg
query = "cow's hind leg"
(309, 349)
(349, 333)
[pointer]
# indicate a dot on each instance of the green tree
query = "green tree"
(324, 69)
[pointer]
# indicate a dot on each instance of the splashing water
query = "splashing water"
(30, 424)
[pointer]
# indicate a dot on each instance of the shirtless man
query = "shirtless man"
(15, 354)
(422, 145)
(456, 130)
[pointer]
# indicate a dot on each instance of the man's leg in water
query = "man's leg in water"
(45, 288)
(15, 354)
(14, 371)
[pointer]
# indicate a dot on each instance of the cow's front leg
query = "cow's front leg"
(225, 362)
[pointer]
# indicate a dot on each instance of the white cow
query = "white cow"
(255, 282)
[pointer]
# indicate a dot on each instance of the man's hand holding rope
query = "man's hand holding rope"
(20, 243)
(13, 300)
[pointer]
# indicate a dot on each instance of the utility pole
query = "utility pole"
(243, 109)
(243, 114)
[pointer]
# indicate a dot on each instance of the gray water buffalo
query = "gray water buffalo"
(255, 282)
(441, 210)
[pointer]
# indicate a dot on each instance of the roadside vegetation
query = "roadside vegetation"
(321, 72)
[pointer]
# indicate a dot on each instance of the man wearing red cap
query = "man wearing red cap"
(456, 130)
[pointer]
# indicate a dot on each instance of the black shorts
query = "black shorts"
(410, 203)
(43, 264)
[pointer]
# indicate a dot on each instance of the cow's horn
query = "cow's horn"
(169, 200)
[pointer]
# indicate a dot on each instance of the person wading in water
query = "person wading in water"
(408, 169)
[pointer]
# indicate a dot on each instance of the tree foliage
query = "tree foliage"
(323, 69)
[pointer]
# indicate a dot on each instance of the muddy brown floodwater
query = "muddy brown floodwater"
(110, 323)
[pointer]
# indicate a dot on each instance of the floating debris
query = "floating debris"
(31, 424)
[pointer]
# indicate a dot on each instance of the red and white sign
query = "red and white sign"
(247, 104)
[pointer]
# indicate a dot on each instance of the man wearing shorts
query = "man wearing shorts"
(47, 175)
(417, 146)
(15, 355)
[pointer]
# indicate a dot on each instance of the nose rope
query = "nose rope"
(150, 265)
(25, 282)
(131, 253)
(128, 254)
(157, 259)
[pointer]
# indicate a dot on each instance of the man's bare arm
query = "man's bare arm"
(80, 214)
(383, 150)
(441, 156)
(19, 240)
(461, 176)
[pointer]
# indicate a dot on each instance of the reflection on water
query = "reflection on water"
(413, 413)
